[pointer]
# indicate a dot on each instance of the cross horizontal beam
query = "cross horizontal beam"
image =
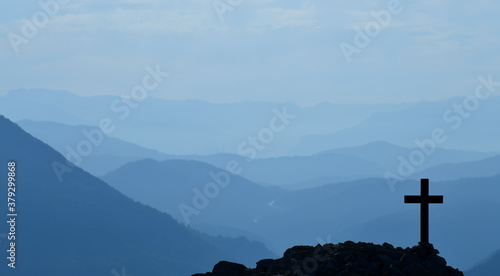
(421, 199)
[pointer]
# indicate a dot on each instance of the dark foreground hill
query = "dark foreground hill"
(72, 223)
(346, 259)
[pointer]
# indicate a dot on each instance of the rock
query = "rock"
(347, 258)
(416, 269)
(408, 258)
(387, 246)
(393, 270)
(435, 259)
(386, 259)
(434, 268)
(347, 273)
(224, 268)
(265, 264)
(362, 262)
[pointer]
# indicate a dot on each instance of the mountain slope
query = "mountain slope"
(82, 226)
(490, 267)
(108, 153)
(170, 184)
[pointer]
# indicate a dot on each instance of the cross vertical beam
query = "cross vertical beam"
(424, 199)
(424, 211)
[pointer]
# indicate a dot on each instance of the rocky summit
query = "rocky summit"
(346, 259)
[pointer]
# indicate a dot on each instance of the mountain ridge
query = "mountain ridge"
(85, 221)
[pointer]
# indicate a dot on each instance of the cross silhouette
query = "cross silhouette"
(424, 199)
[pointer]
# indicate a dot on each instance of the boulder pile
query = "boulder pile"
(346, 259)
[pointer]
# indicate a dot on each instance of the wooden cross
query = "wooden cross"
(424, 199)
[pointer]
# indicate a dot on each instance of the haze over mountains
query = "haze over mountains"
(321, 178)
(82, 226)
(336, 165)
(467, 129)
(314, 129)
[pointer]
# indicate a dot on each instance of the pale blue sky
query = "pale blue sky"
(270, 50)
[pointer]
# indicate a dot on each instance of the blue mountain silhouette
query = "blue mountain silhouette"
(82, 226)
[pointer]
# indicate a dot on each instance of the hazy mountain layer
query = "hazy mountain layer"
(82, 226)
